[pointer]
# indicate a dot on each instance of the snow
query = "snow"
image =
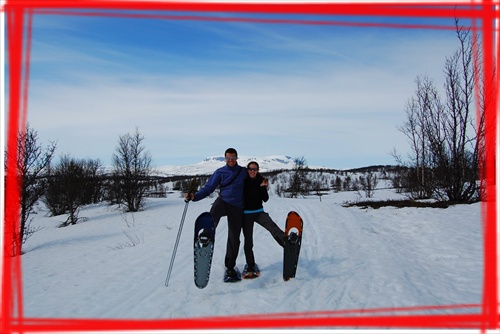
(114, 264)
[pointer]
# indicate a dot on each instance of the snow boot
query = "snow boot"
(251, 271)
(232, 275)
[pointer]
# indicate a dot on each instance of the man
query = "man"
(230, 180)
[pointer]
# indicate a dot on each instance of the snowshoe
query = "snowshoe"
(203, 247)
(251, 272)
(232, 275)
(293, 230)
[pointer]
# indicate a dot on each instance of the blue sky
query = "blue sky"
(333, 94)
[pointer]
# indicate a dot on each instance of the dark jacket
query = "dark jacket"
(254, 194)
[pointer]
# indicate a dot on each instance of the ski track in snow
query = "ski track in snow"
(351, 259)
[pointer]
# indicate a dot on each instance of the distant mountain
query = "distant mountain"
(210, 164)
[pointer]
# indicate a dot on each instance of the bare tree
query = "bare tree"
(446, 146)
(336, 184)
(131, 171)
(93, 174)
(368, 184)
(299, 183)
(69, 186)
(423, 109)
(31, 169)
(455, 165)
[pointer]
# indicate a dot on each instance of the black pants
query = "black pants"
(234, 221)
(263, 219)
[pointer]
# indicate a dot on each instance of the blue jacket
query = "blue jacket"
(232, 193)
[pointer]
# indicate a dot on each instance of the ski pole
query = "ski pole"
(176, 244)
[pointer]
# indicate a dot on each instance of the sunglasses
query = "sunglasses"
(253, 169)
(231, 158)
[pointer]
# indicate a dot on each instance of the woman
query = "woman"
(255, 192)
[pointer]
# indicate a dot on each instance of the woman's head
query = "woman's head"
(253, 169)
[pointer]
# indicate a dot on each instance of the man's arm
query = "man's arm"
(208, 188)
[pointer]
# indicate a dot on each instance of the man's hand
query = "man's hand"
(189, 197)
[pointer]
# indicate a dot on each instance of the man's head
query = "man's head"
(231, 156)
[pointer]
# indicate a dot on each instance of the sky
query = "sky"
(333, 94)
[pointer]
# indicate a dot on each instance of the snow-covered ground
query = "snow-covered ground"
(114, 264)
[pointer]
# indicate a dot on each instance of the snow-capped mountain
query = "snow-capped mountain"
(210, 164)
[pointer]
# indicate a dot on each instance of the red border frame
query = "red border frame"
(18, 11)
